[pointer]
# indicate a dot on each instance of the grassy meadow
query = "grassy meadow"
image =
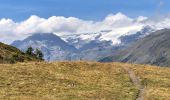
(156, 81)
(80, 81)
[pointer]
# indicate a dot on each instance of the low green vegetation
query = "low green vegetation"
(34, 53)
(9, 54)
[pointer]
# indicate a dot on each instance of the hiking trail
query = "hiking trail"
(136, 82)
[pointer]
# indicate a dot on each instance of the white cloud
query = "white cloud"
(118, 23)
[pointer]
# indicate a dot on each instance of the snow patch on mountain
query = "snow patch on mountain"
(115, 34)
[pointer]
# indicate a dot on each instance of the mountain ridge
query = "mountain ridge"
(152, 49)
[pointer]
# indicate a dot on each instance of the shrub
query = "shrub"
(39, 54)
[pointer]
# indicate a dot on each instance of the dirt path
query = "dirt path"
(136, 82)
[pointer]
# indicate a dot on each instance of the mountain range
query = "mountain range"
(85, 46)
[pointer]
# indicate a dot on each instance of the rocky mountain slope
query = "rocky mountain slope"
(153, 49)
(9, 54)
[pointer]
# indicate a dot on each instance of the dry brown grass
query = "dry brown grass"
(65, 80)
(156, 80)
(80, 81)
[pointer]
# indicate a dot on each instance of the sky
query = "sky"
(19, 10)
(22, 18)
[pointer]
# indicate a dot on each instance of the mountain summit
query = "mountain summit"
(53, 47)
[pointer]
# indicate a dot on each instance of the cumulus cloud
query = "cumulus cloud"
(118, 23)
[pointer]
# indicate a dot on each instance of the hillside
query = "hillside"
(9, 54)
(83, 81)
(153, 49)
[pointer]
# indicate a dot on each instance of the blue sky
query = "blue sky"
(19, 10)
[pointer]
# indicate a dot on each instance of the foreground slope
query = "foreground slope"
(81, 80)
(9, 54)
(152, 49)
(65, 80)
(156, 81)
